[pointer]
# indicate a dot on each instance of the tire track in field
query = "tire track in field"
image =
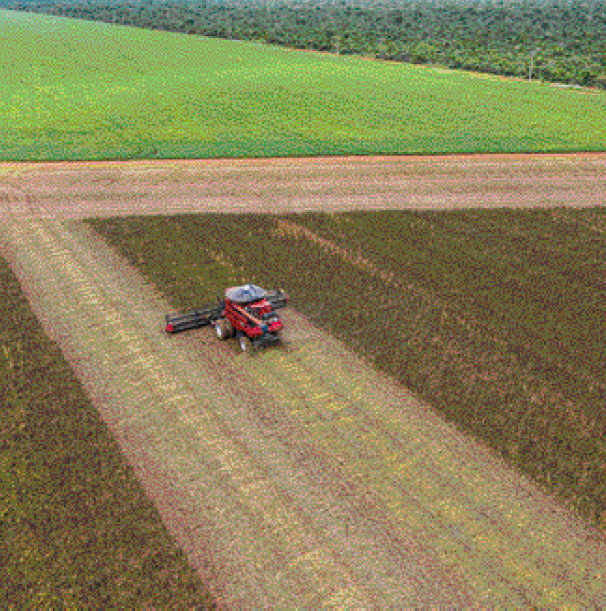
(303, 470)
(443, 489)
(249, 498)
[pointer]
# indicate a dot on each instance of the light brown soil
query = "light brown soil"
(86, 189)
(301, 477)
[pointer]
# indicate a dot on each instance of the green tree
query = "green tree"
(489, 37)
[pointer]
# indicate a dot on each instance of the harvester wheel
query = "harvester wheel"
(229, 329)
(247, 346)
(220, 330)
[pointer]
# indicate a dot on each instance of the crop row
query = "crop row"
(450, 304)
(76, 527)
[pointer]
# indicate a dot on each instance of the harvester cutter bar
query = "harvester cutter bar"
(193, 319)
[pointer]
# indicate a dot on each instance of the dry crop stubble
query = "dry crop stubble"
(168, 436)
(329, 420)
(297, 382)
(132, 424)
(76, 527)
(522, 365)
(292, 184)
(447, 542)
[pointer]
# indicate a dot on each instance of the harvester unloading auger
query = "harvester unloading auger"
(247, 312)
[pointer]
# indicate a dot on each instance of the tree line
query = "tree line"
(555, 40)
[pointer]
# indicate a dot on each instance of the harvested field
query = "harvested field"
(258, 511)
(304, 475)
(499, 342)
(286, 479)
(76, 527)
(92, 189)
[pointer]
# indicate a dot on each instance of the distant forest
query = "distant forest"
(554, 40)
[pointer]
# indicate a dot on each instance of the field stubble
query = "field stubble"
(75, 525)
(449, 361)
(339, 296)
(535, 399)
(81, 190)
(242, 500)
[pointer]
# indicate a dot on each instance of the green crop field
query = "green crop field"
(76, 528)
(492, 317)
(74, 89)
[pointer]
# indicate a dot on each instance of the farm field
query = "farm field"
(115, 97)
(302, 475)
(310, 429)
(76, 528)
(493, 317)
(430, 433)
(259, 516)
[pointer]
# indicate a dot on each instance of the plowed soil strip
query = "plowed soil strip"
(301, 477)
(88, 189)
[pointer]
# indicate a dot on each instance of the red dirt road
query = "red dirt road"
(301, 478)
(87, 189)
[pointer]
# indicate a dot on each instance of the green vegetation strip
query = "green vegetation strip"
(546, 39)
(114, 95)
(75, 525)
(492, 317)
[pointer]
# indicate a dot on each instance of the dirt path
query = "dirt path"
(301, 478)
(77, 190)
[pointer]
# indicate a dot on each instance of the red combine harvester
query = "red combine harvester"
(247, 312)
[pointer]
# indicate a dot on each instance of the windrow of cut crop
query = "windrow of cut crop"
(476, 377)
(76, 528)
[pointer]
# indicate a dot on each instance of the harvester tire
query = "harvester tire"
(221, 330)
(246, 346)
(229, 329)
